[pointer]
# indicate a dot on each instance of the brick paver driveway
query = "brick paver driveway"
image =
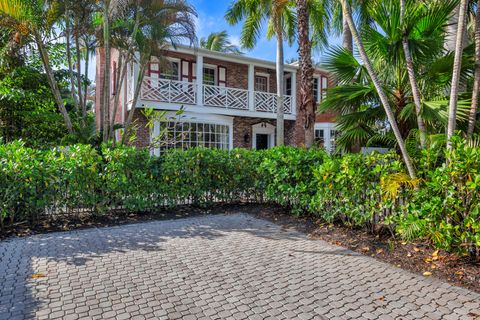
(214, 267)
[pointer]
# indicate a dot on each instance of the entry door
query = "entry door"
(262, 141)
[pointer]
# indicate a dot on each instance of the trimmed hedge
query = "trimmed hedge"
(368, 191)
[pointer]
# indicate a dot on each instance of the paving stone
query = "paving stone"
(211, 267)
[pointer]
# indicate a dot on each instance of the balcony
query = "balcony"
(223, 98)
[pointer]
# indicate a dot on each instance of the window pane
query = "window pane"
(315, 89)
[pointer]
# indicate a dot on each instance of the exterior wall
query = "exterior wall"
(143, 133)
(243, 126)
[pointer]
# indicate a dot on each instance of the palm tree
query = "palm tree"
(361, 118)
(281, 20)
(476, 80)
(159, 23)
(457, 65)
(219, 41)
(311, 15)
(36, 20)
(378, 86)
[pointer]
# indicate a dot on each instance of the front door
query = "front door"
(262, 141)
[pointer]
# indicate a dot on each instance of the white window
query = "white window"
(261, 83)
(186, 135)
(209, 76)
(320, 137)
(288, 85)
(320, 86)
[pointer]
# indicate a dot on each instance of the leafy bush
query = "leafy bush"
(367, 191)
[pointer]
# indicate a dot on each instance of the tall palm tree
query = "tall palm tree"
(281, 19)
(36, 20)
(219, 41)
(160, 23)
(378, 86)
(457, 65)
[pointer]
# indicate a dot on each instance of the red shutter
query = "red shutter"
(222, 76)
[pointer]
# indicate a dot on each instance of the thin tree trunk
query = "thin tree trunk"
(121, 71)
(79, 72)
(69, 61)
(106, 79)
(413, 82)
(52, 82)
(457, 65)
(476, 82)
(85, 85)
(280, 78)
(136, 94)
(383, 97)
(307, 105)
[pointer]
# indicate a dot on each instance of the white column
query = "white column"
(251, 87)
(136, 71)
(155, 135)
(199, 75)
(294, 93)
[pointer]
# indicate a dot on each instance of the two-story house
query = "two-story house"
(229, 100)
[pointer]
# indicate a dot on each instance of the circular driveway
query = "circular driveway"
(212, 267)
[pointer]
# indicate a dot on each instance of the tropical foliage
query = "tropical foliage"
(368, 191)
(219, 41)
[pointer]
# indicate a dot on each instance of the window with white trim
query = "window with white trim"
(171, 71)
(186, 135)
(320, 137)
(261, 83)
(209, 76)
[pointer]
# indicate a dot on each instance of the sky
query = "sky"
(211, 19)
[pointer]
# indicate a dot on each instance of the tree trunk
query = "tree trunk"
(85, 87)
(105, 107)
(52, 82)
(280, 78)
(69, 60)
(476, 82)
(79, 70)
(138, 87)
(383, 97)
(457, 65)
(347, 40)
(307, 105)
(120, 76)
(413, 82)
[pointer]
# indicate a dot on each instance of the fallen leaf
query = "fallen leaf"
(382, 298)
(365, 249)
(434, 266)
(427, 273)
(38, 275)
(404, 243)
(435, 253)
(409, 254)
(473, 315)
(379, 251)
(428, 260)
(416, 249)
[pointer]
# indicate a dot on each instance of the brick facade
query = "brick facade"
(236, 77)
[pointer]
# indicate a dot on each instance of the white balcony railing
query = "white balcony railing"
(267, 102)
(223, 97)
(171, 91)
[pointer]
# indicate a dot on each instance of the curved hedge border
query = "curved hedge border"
(355, 189)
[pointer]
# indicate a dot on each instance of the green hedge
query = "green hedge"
(370, 191)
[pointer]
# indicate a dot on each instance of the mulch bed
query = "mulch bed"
(418, 258)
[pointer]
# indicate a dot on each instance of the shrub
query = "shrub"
(364, 191)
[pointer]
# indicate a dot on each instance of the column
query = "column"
(294, 93)
(251, 87)
(199, 74)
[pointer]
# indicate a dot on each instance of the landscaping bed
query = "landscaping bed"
(415, 257)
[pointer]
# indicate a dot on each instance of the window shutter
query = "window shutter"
(185, 71)
(154, 74)
(194, 71)
(222, 76)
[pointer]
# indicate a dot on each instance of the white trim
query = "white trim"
(263, 128)
(215, 73)
(319, 88)
(251, 87)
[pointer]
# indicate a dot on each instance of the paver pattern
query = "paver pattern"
(213, 267)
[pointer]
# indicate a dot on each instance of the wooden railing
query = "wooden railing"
(172, 91)
(223, 97)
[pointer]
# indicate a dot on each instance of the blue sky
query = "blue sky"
(211, 19)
